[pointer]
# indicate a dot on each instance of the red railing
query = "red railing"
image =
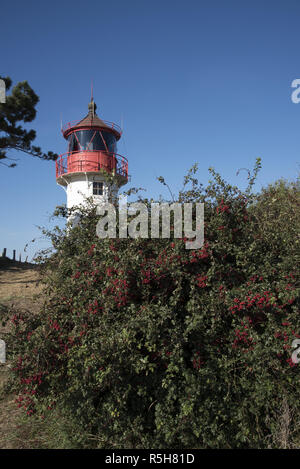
(112, 125)
(85, 161)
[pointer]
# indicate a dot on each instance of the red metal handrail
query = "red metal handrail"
(85, 161)
(112, 125)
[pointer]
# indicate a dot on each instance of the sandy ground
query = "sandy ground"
(19, 287)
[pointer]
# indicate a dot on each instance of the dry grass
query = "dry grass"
(287, 434)
(20, 287)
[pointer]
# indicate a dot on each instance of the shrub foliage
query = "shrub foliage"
(143, 343)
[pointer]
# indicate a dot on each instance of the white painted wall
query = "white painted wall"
(80, 187)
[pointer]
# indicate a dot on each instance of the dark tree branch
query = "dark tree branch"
(19, 107)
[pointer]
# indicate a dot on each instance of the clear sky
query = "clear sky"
(192, 81)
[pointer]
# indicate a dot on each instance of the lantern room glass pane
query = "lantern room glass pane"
(73, 144)
(92, 140)
(110, 140)
(84, 137)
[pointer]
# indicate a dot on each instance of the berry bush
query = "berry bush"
(143, 343)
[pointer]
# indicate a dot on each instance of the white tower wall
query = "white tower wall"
(80, 187)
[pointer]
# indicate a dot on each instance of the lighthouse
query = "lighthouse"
(91, 168)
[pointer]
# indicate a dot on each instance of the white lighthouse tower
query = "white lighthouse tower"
(91, 157)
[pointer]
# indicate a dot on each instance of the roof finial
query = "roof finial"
(92, 105)
(92, 108)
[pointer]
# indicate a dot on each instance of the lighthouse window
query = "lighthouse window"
(85, 137)
(110, 141)
(73, 144)
(97, 188)
(98, 143)
(93, 140)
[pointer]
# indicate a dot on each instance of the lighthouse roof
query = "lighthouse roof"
(93, 121)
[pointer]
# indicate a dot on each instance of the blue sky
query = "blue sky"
(194, 81)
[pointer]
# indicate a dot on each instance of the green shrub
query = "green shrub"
(145, 344)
